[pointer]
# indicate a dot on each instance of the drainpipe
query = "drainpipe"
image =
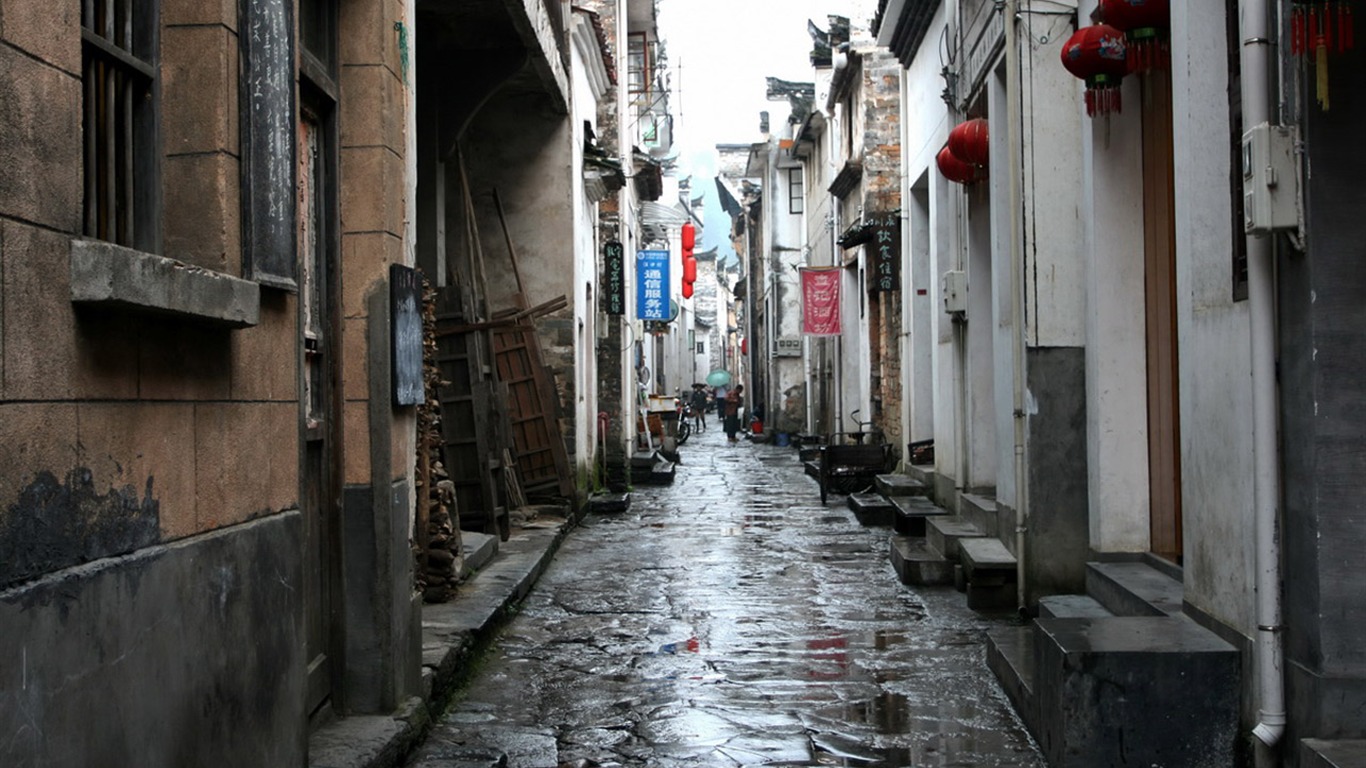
(630, 394)
(1013, 151)
(1256, 62)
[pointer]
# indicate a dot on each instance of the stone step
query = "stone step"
(1134, 589)
(986, 557)
(872, 509)
(1010, 655)
(980, 510)
(926, 475)
(813, 468)
(898, 485)
(478, 549)
(911, 513)
(917, 564)
(1135, 690)
(944, 533)
(609, 503)
(989, 569)
(1321, 753)
(1071, 607)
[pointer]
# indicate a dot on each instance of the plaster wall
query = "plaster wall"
(585, 296)
(925, 251)
(981, 384)
(1002, 289)
(1213, 329)
(918, 286)
(1116, 387)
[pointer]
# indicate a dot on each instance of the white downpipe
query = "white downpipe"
(1013, 152)
(630, 393)
(1256, 61)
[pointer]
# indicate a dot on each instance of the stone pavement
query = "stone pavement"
(726, 620)
(453, 635)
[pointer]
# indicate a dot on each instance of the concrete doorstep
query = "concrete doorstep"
(452, 634)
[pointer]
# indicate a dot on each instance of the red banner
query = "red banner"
(821, 301)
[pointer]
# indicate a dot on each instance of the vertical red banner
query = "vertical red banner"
(821, 301)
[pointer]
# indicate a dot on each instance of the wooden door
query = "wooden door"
(542, 459)
(321, 450)
(1159, 247)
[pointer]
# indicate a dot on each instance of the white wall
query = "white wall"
(1116, 384)
(1215, 356)
(585, 297)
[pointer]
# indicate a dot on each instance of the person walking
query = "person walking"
(735, 400)
(699, 407)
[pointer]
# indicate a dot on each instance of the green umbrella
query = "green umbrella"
(718, 378)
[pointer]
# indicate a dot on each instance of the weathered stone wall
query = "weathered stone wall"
(149, 523)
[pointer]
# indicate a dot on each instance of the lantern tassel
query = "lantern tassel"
(1326, 31)
(1345, 31)
(1321, 71)
(1296, 31)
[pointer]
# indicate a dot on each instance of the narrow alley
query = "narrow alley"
(730, 619)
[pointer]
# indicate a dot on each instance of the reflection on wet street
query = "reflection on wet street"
(731, 620)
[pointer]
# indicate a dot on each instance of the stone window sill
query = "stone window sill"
(108, 275)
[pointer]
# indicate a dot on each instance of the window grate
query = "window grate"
(117, 92)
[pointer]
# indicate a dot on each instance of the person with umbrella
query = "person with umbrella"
(699, 407)
(735, 400)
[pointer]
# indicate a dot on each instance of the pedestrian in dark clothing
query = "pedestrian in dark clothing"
(699, 407)
(734, 402)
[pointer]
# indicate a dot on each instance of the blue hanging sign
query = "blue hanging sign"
(652, 285)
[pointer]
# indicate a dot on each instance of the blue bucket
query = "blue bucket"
(781, 439)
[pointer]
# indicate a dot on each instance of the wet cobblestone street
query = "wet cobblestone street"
(731, 620)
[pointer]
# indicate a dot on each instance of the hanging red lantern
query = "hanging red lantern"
(1097, 55)
(687, 290)
(968, 142)
(1144, 24)
(956, 170)
(1318, 28)
(689, 270)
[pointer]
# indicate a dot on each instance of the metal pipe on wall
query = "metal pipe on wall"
(1256, 67)
(1013, 151)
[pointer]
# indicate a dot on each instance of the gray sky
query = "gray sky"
(720, 52)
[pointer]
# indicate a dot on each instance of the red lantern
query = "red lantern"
(968, 142)
(688, 234)
(1145, 23)
(1318, 28)
(1097, 55)
(689, 270)
(687, 290)
(955, 170)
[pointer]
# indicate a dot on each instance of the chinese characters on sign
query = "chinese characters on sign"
(614, 278)
(652, 285)
(821, 301)
(884, 250)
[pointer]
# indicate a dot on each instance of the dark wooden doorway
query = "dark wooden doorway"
(320, 326)
(1159, 250)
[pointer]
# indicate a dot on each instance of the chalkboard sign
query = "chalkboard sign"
(269, 229)
(614, 278)
(405, 322)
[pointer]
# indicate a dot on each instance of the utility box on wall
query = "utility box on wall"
(953, 286)
(1271, 179)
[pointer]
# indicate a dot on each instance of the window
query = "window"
(794, 190)
(119, 77)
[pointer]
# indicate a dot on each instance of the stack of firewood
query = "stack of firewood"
(437, 552)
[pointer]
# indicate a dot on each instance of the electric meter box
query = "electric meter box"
(1271, 178)
(953, 286)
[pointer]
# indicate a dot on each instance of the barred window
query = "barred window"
(795, 194)
(119, 76)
